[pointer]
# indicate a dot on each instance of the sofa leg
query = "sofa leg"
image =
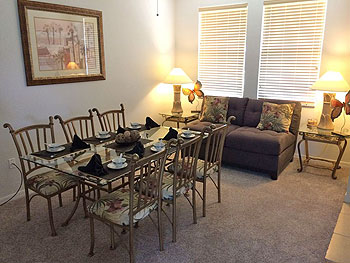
(274, 177)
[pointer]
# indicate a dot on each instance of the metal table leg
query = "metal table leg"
(341, 152)
(300, 159)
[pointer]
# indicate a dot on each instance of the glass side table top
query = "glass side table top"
(325, 133)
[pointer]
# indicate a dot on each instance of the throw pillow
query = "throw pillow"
(214, 109)
(276, 117)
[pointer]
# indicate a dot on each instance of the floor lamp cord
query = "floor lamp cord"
(19, 188)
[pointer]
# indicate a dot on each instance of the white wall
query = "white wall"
(336, 51)
(139, 51)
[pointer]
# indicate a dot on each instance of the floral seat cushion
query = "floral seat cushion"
(200, 169)
(115, 207)
(167, 188)
(51, 183)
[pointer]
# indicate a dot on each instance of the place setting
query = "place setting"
(118, 163)
(187, 134)
(55, 150)
(158, 146)
(101, 137)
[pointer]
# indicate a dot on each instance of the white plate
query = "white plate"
(56, 149)
(111, 165)
(135, 127)
(154, 149)
(101, 137)
(187, 137)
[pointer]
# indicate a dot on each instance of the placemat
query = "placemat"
(124, 148)
(54, 155)
(96, 141)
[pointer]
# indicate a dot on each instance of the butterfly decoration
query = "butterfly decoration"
(338, 106)
(196, 91)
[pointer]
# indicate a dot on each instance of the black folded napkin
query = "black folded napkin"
(78, 144)
(139, 149)
(120, 130)
(172, 134)
(94, 166)
(150, 123)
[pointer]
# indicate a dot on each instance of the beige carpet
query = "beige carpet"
(259, 220)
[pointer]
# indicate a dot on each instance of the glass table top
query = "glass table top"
(322, 133)
(108, 150)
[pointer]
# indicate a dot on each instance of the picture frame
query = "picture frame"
(61, 44)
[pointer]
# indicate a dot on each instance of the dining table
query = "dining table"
(90, 186)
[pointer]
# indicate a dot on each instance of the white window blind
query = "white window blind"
(222, 41)
(291, 49)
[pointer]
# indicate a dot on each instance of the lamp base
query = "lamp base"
(326, 122)
(177, 109)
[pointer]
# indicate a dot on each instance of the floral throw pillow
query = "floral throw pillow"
(276, 117)
(214, 109)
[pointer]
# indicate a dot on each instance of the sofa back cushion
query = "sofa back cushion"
(237, 107)
(252, 113)
(254, 108)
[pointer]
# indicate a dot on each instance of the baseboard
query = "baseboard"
(19, 195)
(342, 163)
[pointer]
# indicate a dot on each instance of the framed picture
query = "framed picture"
(61, 44)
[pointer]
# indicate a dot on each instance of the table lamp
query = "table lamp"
(177, 77)
(332, 82)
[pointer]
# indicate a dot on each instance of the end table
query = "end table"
(327, 137)
(183, 118)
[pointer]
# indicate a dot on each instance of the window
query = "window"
(291, 48)
(222, 42)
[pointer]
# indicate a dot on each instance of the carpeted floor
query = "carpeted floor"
(259, 220)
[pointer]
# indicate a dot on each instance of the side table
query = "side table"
(315, 135)
(183, 118)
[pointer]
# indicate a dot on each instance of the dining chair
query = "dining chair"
(112, 119)
(32, 139)
(211, 164)
(184, 167)
(125, 207)
(83, 126)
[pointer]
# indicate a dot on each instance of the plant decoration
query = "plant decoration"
(196, 91)
(338, 106)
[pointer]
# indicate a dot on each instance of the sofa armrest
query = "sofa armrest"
(230, 119)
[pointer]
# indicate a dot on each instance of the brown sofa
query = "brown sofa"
(248, 147)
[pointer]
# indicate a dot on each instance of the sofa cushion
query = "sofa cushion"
(236, 107)
(276, 117)
(214, 109)
(200, 125)
(249, 139)
(252, 113)
(294, 126)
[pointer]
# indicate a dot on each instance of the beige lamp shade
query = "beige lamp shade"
(331, 81)
(177, 76)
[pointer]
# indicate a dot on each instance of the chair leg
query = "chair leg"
(160, 228)
(219, 184)
(27, 203)
(131, 243)
(60, 200)
(92, 237)
(74, 193)
(204, 195)
(84, 200)
(53, 231)
(194, 205)
(174, 218)
(112, 247)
